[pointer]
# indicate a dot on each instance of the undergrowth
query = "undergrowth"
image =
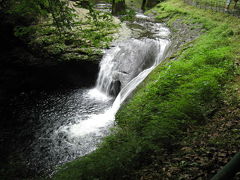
(175, 97)
(89, 34)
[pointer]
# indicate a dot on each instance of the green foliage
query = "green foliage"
(21, 31)
(59, 11)
(28, 8)
(129, 15)
(59, 27)
(135, 4)
(85, 39)
(62, 14)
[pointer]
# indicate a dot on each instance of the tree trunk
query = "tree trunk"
(118, 7)
(149, 4)
(229, 170)
(143, 5)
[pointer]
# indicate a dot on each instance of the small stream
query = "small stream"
(64, 125)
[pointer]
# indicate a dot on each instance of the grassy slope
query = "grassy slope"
(178, 97)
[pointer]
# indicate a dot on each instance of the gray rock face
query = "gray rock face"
(124, 62)
(133, 57)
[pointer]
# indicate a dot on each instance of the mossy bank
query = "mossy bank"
(174, 106)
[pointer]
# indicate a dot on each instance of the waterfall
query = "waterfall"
(137, 58)
(125, 61)
(106, 73)
(122, 69)
(128, 89)
(148, 54)
(71, 123)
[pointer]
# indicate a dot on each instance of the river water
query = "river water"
(64, 125)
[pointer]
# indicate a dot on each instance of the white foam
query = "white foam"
(142, 16)
(93, 124)
(98, 95)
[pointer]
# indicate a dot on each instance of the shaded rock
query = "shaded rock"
(134, 58)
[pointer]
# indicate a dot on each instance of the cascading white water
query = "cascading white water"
(109, 72)
(128, 89)
(122, 69)
(125, 61)
(105, 75)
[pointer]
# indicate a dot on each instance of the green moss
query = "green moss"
(176, 96)
(56, 48)
(135, 4)
(89, 35)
